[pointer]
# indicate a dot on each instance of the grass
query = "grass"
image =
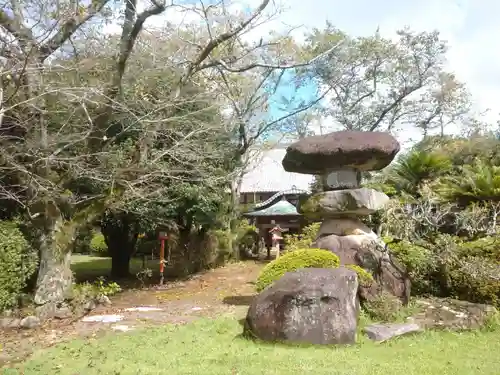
(213, 347)
(87, 267)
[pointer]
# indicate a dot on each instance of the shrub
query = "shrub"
(365, 278)
(86, 291)
(17, 263)
(98, 244)
(303, 240)
(291, 261)
(488, 247)
(418, 261)
(385, 308)
(476, 279)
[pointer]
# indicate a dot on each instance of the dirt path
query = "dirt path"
(226, 290)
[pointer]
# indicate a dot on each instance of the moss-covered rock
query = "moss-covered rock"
(294, 260)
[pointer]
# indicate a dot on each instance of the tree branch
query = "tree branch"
(70, 27)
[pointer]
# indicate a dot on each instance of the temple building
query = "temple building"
(271, 194)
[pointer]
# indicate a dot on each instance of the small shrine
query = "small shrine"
(274, 218)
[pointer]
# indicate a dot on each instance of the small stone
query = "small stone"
(384, 332)
(9, 323)
(46, 311)
(361, 151)
(30, 322)
(90, 305)
(63, 312)
(14, 324)
(103, 318)
(104, 300)
(121, 328)
(343, 203)
(8, 313)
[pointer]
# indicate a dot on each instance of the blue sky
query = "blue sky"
(288, 90)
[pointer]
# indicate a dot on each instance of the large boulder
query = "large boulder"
(368, 252)
(342, 203)
(362, 151)
(311, 305)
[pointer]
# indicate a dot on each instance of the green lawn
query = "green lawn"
(211, 347)
(87, 267)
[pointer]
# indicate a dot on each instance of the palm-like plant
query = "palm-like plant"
(476, 182)
(416, 168)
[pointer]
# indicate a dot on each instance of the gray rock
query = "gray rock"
(384, 332)
(30, 322)
(9, 323)
(89, 305)
(312, 305)
(104, 300)
(344, 227)
(63, 312)
(451, 314)
(365, 251)
(343, 203)
(362, 151)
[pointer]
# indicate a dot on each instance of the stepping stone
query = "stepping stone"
(102, 318)
(143, 309)
(121, 328)
(383, 332)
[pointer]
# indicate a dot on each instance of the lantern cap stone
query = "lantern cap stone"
(342, 150)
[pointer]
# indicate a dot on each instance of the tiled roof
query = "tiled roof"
(266, 174)
(280, 208)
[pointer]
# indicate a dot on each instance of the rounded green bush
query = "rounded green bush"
(365, 278)
(294, 260)
(98, 244)
(17, 263)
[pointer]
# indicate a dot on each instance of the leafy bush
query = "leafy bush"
(451, 267)
(476, 279)
(487, 247)
(418, 261)
(17, 263)
(86, 291)
(98, 244)
(303, 240)
(365, 278)
(385, 308)
(294, 260)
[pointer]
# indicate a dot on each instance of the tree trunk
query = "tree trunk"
(120, 233)
(55, 279)
(120, 263)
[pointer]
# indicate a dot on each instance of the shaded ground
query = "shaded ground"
(89, 268)
(214, 293)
